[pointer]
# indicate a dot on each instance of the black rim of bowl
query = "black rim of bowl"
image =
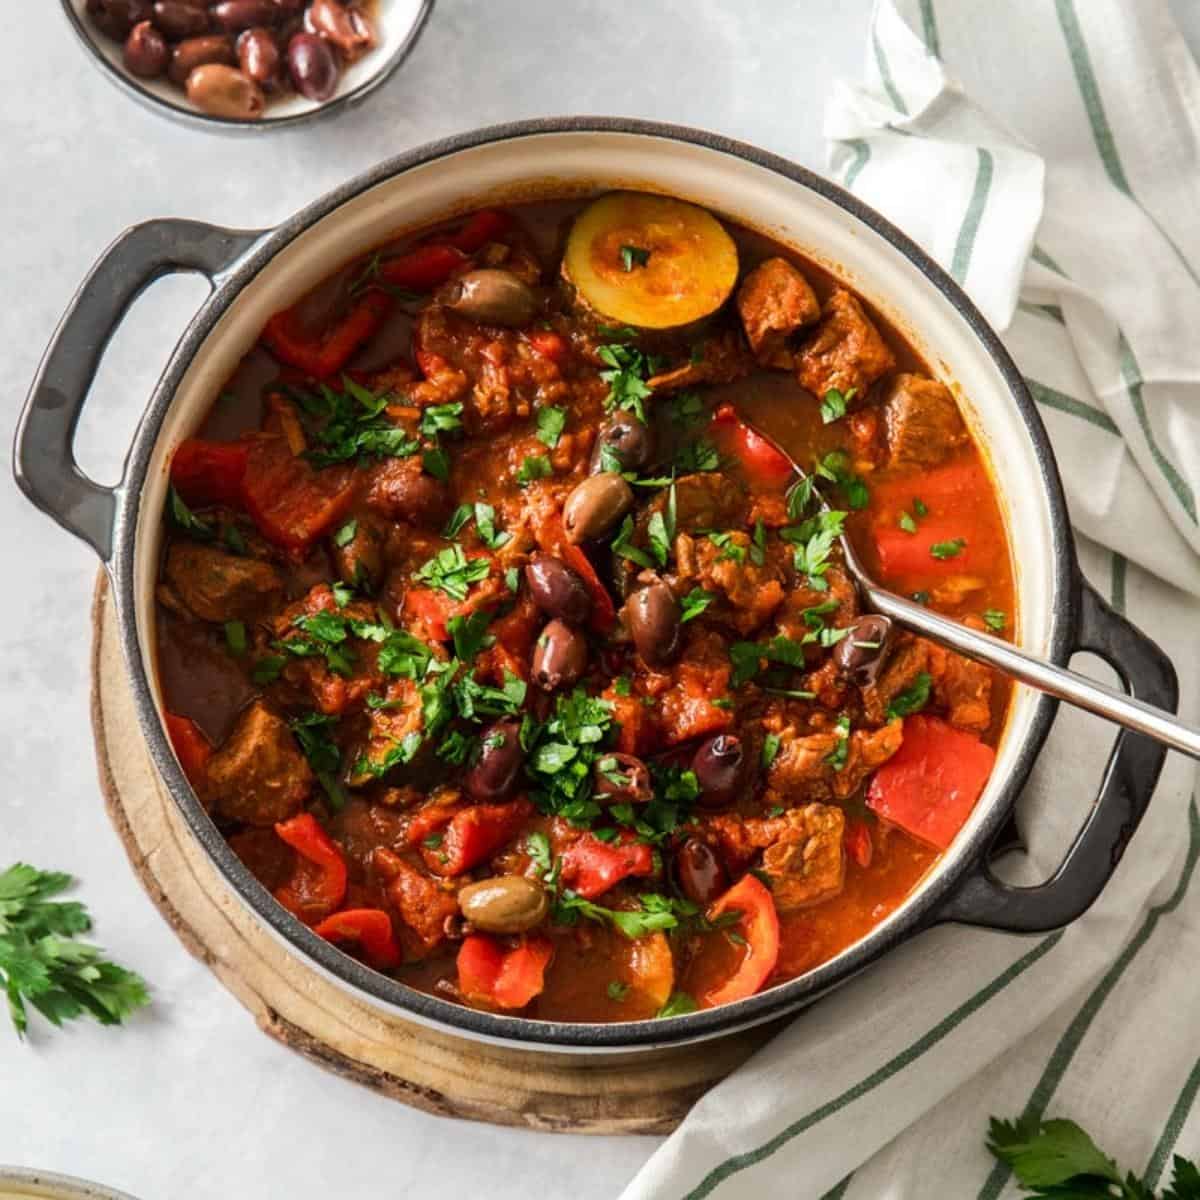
(918, 913)
(186, 114)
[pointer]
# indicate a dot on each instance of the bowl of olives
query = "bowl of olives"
(248, 64)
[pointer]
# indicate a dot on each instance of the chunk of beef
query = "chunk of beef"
(401, 490)
(259, 776)
(266, 856)
(806, 766)
(721, 359)
(361, 828)
(216, 586)
(958, 686)
(846, 350)
(392, 732)
(705, 500)
(359, 561)
(923, 422)
(801, 600)
(774, 301)
(747, 594)
(426, 906)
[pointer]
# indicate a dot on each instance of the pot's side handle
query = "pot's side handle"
(1125, 790)
(43, 454)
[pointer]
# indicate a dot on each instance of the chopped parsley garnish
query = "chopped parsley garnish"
(534, 466)
(921, 597)
(660, 530)
(836, 758)
(907, 523)
(512, 579)
(402, 654)
(475, 700)
(266, 670)
(996, 619)
(912, 699)
(550, 424)
(700, 455)
(436, 463)
(455, 748)
(470, 634)
(730, 549)
(442, 418)
(458, 521)
(622, 686)
(345, 535)
(813, 541)
(433, 841)
(232, 536)
(634, 256)
(314, 732)
(747, 657)
(561, 753)
(616, 990)
(919, 507)
(624, 548)
(184, 519)
(694, 603)
(833, 407)
(235, 637)
(758, 544)
(679, 1005)
(626, 374)
(950, 549)
(770, 749)
(42, 963)
(450, 571)
(351, 424)
(835, 467)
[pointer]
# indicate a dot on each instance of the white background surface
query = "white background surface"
(191, 1101)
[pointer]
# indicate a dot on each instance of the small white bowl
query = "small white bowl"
(399, 24)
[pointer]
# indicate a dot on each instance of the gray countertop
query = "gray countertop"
(190, 1100)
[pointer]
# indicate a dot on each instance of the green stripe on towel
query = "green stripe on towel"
(965, 245)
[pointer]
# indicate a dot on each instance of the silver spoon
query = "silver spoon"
(1060, 682)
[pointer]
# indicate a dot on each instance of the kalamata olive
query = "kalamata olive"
(235, 15)
(559, 657)
(197, 52)
(179, 20)
(494, 767)
(595, 506)
(313, 68)
(861, 653)
(622, 779)
(699, 872)
(557, 590)
(290, 8)
(491, 296)
(225, 92)
(349, 29)
(625, 439)
(117, 17)
(259, 57)
(720, 767)
(146, 52)
(652, 615)
(504, 904)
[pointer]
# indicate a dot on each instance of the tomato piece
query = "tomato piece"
(292, 504)
(488, 974)
(327, 353)
(191, 747)
(762, 461)
(423, 905)
(930, 785)
(205, 472)
(319, 887)
(480, 228)
(759, 925)
(423, 269)
(369, 928)
(631, 721)
(549, 345)
(432, 609)
(857, 840)
(475, 834)
(688, 711)
(591, 867)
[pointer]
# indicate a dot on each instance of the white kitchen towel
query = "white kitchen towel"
(1045, 152)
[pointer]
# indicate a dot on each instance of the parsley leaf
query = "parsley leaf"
(634, 256)
(836, 758)
(833, 407)
(534, 467)
(512, 580)
(550, 424)
(561, 753)
(450, 571)
(458, 521)
(626, 374)
(950, 549)
(436, 463)
(700, 455)
(813, 542)
(907, 523)
(314, 732)
(996, 619)
(623, 547)
(184, 519)
(41, 963)
(442, 418)
(267, 669)
(919, 507)
(235, 637)
(1058, 1157)
(730, 549)
(694, 603)
(758, 544)
(770, 749)
(616, 990)
(350, 424)
(680, 1004)
(470, 634)
(485, 523)
(912, 699)
(345, 535)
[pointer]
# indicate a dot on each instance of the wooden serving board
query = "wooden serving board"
(647, 1092)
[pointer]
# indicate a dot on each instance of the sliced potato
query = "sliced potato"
(649, 262)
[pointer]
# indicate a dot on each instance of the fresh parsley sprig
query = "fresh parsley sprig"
(43, 965)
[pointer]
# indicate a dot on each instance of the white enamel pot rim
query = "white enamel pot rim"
(255, 273)
(45, 1185)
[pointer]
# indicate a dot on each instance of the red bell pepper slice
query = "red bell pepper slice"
(759, 925)
(205, 472)
(930, 785)
(368, 928)
(327, 353)
(191, 747)
(550, 345)
(425, 268)
(762, 461)
(857, 840)
(591, 867)
(480, 228)
(312, 895)
(432, 609)
(475, 834)
(490, 975)
(291, 503)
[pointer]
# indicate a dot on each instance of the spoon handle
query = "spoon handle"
(1067, 685)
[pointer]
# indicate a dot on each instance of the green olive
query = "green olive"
(504, 904)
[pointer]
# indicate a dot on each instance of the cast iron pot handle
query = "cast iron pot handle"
(43, 455)
(1129, 778)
